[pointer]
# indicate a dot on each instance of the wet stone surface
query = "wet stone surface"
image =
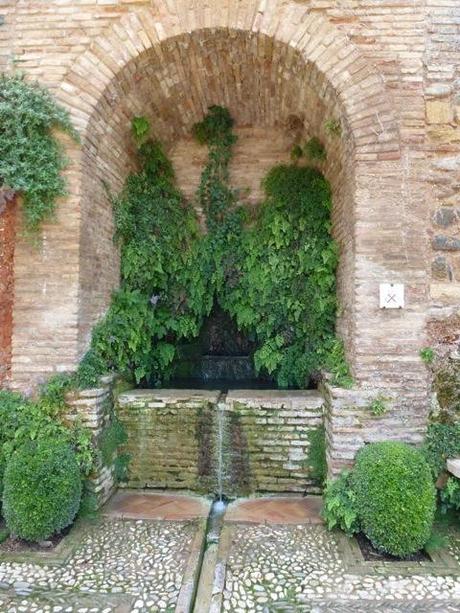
(301, 568)
(120, 566)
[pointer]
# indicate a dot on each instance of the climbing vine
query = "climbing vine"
(286, 288)
(31, 159)
(163, 295)
(274, 274)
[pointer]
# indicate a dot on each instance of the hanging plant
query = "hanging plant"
(275, 277)
(31, 159)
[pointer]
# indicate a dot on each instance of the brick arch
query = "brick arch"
(366, 165)
(358, 85)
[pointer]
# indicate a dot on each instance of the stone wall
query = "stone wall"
(350, 423)
(169, 438)
(388, 71)
(93, 407)
(361, 62)
(442, 115)
(270, 432)
(244, 443)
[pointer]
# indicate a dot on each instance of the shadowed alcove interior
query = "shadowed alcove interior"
(276, 98)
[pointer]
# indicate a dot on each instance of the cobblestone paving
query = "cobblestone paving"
(362, 606)
(138, 566)
(300, 568)
(120, 566)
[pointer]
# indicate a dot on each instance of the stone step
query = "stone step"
(453, 466)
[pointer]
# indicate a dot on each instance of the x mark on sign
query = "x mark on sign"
(391, 298)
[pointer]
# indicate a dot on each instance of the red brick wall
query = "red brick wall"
(7, 240)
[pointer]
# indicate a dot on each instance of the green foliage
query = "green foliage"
(333, 127)
(120, 465)
(296, 153)
(378, 406)
(450, 495)
(163, 295)
(31, 159)
(437, 541)
(395, 496)
(216, 128)
(332, 354)
(316, 458)
(427, 354)
(4, 534)
(23, 420)
(91, 368)
(42, 489)
(442, 441)
(275, 277)
(112, 437)
(88, 510)
(140, 127)
(284, 279)
(314, 149)
(340, 509)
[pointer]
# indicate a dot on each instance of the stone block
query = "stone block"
(446, 243)
(445, 217)
(439, 111)
(93, 407)
(441, 269)
(453, 466)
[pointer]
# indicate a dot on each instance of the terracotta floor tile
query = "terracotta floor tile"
(150, 505)
(276, 510)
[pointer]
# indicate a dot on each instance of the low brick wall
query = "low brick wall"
(350, 424)
(248, 442)
(274, 427)
(169, 437)
(93, 408)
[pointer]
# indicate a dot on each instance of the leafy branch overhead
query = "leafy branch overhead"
(31, 158)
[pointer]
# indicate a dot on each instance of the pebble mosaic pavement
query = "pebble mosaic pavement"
(138, 566)
(300, 568)
(121, 565)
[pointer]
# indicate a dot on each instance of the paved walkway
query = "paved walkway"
(121, 563)
(170, 507)
(146, 554)
(279, 510)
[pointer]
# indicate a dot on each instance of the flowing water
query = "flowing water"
(220, 449)
(227, 368)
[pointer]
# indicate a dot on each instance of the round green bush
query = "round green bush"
(395, 497)
(41, 489)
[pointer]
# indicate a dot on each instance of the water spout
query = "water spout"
(219, 506)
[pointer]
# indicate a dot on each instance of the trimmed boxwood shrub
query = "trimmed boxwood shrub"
(395, 496)
(42, 489)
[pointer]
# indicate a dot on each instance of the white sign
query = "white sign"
(391, 296)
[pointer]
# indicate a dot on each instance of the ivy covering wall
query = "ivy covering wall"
(273, 273)
(31, 158)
